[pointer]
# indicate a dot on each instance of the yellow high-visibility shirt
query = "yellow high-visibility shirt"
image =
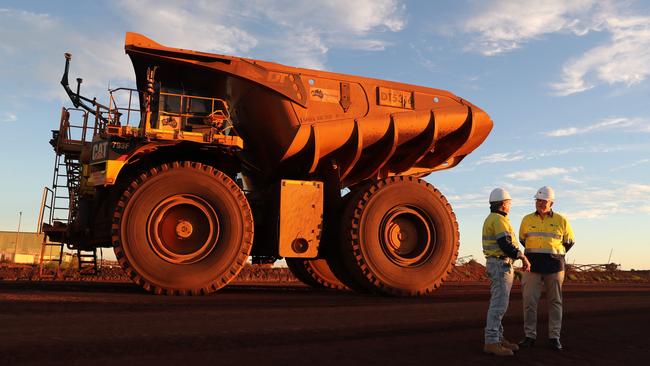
(496, 226)
(547, 235)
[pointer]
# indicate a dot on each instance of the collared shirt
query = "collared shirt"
(546, 241)
(499, 236)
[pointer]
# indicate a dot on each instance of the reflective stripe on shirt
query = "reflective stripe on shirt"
(545, 235)
(541, 233)
(501, 235)
(496, 227)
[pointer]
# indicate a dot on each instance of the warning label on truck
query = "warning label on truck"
(325, 95)
(395, 98)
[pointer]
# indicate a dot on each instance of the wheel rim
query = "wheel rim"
(407, 236)
(183, 229)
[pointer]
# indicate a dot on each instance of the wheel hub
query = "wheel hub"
(407, 236)
(183, 229)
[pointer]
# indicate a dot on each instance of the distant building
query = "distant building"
(28, 250)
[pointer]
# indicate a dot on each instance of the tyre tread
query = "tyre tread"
(218, 282)
(355, 260)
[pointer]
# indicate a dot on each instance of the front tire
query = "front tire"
(182, 229)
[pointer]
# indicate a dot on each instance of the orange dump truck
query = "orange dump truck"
(213, 159)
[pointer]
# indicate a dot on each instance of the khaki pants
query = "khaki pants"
(531, 287)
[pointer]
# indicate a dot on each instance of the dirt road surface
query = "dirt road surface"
(117, 324)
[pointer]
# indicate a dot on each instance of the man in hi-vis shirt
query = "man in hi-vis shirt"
(501, 250)
(547, 236)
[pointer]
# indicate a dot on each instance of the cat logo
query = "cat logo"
(99, 150)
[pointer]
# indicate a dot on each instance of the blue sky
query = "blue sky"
(566, 84)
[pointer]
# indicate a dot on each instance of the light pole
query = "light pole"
(20, 218)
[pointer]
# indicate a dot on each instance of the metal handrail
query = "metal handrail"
(66, 127)
(183, 105)
(41, 215)
(114, 111)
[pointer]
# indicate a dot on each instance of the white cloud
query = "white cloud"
(591, 213)
(597, 200)
(295, 33)
(600, 202)
(292, 32)
(469, 200)
(39, 21)
(534, 155)
(202, 25)
(34, 67)
(631, 165)
(359, 17)
(503, 26)
(558, 152)
(516, 189)
(306, 48)
(537, 174)
(624, 59)
(568, 179)
(8, 117)
(637, 190)
(520, 196)
(307, 30)
(421, 51)
(592, 149)
(622, 123)
(500, 158)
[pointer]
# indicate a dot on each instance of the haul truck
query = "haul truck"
(325, 169)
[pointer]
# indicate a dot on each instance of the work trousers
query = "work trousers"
(501, 274)
(531, 287)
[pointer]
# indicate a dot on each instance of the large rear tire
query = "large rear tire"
(399, 237)
(182, 229)
(314, 272)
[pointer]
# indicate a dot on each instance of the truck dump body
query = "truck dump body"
(295, 121)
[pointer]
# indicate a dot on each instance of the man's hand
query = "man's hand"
(525, 263)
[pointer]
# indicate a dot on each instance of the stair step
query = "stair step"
(87, 262)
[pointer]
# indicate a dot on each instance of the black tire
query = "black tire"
(333, 251)
(315, 273)
(400, 237)
(182, 228)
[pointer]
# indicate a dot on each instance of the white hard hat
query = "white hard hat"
(499, 194)
(545, 193)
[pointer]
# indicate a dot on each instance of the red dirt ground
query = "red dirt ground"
(471, 271)
(102, 323)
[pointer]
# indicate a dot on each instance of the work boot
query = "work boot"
(496, 349)
(527, 342)
(555, 344)
(509, 345)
